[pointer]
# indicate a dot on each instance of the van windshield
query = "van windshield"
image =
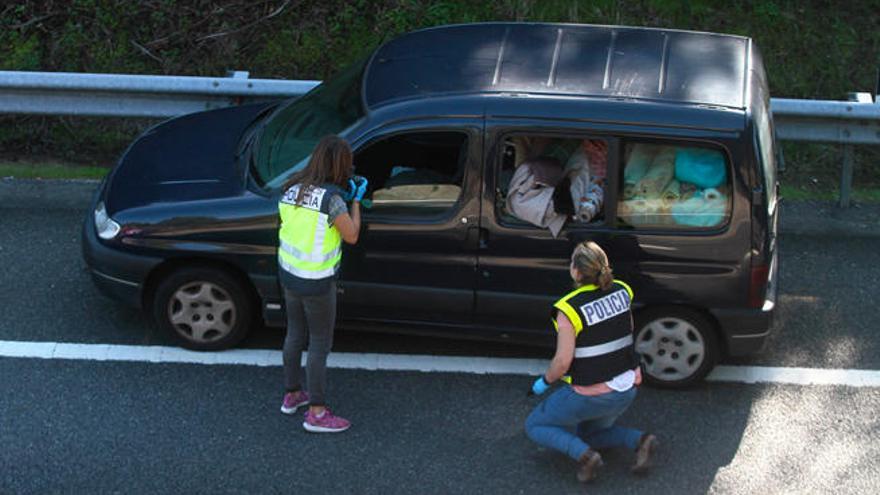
(293, 131)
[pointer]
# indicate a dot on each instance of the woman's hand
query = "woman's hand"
(361, 183)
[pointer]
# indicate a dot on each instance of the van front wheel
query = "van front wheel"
(678, 346)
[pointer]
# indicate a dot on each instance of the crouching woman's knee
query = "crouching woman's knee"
(533, 424)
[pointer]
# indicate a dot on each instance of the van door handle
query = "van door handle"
(477, 238)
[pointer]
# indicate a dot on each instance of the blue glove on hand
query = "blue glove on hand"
(348, 194)
(361, 184)
(540, 386)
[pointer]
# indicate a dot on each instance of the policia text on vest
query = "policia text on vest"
(603, 332)
(309, 248)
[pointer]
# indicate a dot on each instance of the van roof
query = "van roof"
(565, 59)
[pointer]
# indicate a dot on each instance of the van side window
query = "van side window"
(551, 181)
(418, 173)
(673, 187)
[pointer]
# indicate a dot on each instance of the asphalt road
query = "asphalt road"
(78, 426)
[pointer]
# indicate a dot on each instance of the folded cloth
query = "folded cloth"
(531, 199)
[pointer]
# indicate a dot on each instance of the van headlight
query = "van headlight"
(104, 225)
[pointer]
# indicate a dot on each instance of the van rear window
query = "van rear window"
(673, 187)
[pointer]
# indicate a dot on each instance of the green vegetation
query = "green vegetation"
(813, 49)
(828, 193)
(50, 170)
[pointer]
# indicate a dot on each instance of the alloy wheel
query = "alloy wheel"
(202, 312)
(672, 349)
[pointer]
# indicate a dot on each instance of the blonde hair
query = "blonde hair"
(592, 265)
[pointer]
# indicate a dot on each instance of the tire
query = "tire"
(203, 309)
(678, 346)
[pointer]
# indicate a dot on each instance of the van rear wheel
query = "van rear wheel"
(203, 308)
(678, 346)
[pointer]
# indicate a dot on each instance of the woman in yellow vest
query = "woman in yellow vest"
(595, 353)
(314, 222)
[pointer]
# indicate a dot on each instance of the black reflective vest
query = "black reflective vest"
(603, 325)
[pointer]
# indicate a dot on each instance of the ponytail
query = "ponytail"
(592, 265)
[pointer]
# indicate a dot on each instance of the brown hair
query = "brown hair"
(330, 162)
(592, 265)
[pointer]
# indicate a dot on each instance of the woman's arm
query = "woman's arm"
(564, 349)
(349, 226)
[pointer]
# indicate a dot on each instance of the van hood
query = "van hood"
(187, 158)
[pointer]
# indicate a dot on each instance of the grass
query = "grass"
(804, 193)
(23, 170)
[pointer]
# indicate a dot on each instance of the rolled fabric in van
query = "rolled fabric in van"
(658, 175)
(642, 211)
(671, 193)
(641, 157)
(712, 194)
(706, 209)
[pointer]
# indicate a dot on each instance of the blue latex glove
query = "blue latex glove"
(348, 194)
(540, 386)
(361, 187)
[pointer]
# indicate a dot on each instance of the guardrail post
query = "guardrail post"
(846, 174)
(846, 170)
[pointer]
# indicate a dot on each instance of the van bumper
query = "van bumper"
(744, 331)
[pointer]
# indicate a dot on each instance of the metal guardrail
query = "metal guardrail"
(848, 122)
(854, 122)
(117, 95)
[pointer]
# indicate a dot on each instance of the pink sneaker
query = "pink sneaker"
(293, 401)
(325, 423)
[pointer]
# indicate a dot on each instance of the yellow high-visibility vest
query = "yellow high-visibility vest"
(309, 248)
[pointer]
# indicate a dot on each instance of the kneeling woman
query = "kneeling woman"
(314, 222)
(595, 347)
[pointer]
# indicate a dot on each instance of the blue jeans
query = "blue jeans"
(551, 424)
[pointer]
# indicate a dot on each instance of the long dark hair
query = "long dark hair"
(330, 163)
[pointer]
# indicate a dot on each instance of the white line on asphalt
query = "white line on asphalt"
(404, 362)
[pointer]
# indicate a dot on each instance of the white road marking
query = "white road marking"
(404, 362)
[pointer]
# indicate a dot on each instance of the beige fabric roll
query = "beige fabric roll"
(671, 193)
(659, 174)
(640, 158)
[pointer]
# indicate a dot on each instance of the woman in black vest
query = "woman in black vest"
(595, 355)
